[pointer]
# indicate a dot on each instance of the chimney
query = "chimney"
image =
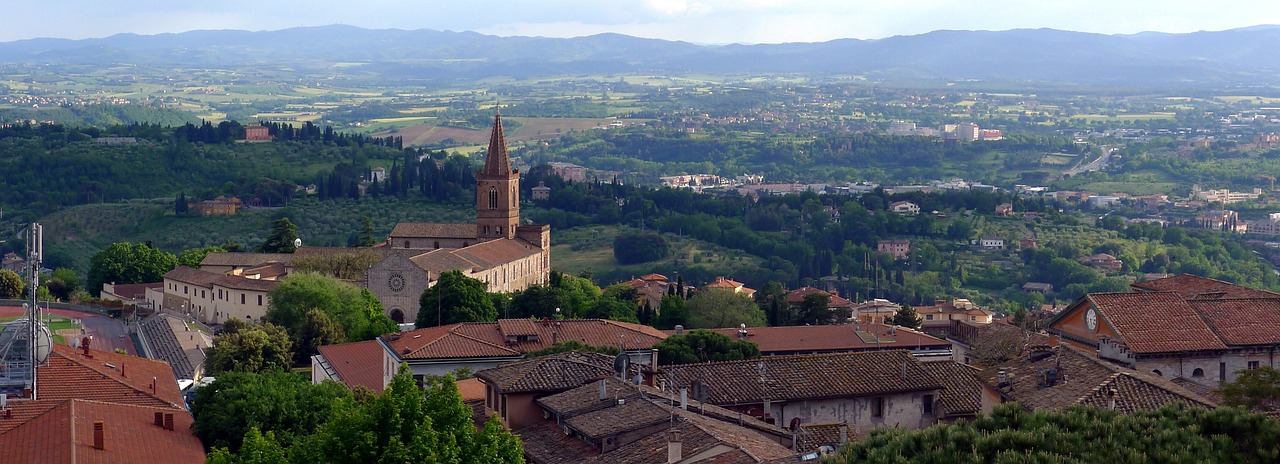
(159, 419)
(168, 421)
(653, 359)
(675, 451)
(684, 398)
(122, 374)
(98, 439)
(604, 394)
(1111, 399)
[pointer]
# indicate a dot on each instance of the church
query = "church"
(497, 249)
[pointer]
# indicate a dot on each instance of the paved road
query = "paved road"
(108, 334)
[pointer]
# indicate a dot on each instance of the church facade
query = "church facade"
(497, 248)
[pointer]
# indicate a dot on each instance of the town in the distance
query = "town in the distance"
(633, 269)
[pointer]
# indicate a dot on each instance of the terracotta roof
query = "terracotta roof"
(245, 283)
(68, 374)
(244, 259)
(962, 389)
(510, 327)
(432, 230)
(192, 276)
(135, 291)
(438, 261)
(486, 339)
(493, 253)
(654, 278)
(835, 338)
(1252, 321)
(1083, 379)
(1193, 286)
(797, 296)
(624, 416)
(357, 364)
(1144, 322)
(586, 395)
(556, 372)
(266, 271)
(790, 378)
(496, 161)
(471, 390)
(64, 433)
(809, 437)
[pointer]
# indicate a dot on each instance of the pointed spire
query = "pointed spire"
(496, 162)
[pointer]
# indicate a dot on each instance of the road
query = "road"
(1095, 165)
(108, 334)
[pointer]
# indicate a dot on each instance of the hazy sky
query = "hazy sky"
(702, 21)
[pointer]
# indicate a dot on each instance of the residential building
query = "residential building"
(731, 285)
(475, 346)
(876, 311)
(569, 171)
(1062, 376)
(936, 319)
(541, 192)
(1224, 196)
(1269, 227)
(1027, 243)
(12, 262)
(898, 249)
(842, 338)
(1037, 287)
(220, 206)
(991, 243)
(257, 133)
(212, 298)
(864, 390)
(1102, 261)
(904, 207)
(1183, 327)
(1004, 209)
(102, 407)
(840, 310)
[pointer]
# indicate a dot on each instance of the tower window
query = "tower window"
(493, 198)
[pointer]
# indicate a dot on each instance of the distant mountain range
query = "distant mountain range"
(1238, 58)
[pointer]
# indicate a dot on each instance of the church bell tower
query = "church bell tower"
(497, 190)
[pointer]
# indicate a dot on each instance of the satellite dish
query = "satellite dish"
(73, 342)
(297, 243)
(620, 364)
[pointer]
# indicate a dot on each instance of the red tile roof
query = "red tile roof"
(432, 230)
(1155, 322)
(1193, 286)
(790, 378)
(797, 296)
(357, 364)
(835, 338)
(64, 433)
(1251, 321)
(107, 376)
(471, 390)
(486, 339)
(552, 373)
(493, 253)
(962, 393)
(135, 291)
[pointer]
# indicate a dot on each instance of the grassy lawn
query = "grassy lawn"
(55, 323)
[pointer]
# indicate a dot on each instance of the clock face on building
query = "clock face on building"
(395, 282)
(1091, 320)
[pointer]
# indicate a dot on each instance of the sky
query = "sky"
(698, 21)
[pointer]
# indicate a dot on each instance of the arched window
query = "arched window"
(1198, 372)
(437, 244)
(397, 315)
(493, 198)
(406, 244)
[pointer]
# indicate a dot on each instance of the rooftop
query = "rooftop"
(487, 339)
(432, 230)
(1083, 379)
(835, 338)
(62, 431)
(788, 378)
(556, 372)
(358, 364)
(1142, 320)
(1193, 286)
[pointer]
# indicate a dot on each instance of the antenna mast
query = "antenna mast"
(35, 252)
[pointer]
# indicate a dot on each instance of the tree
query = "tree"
(1079, 435)
(356, 310)
(717, 308)
(455, 298)
(907, 317)
(772, 299)
(128, 263)
(671, 312)
(256, 448)
(366, 232)
(63, 283)
(1255, 389)
(704, 346)
(613, 309)
(193, 256)
(11, 285)
(813, 309)
(282, 238)
(254, 348)
(317, 330)
(180, 204)
(285, 404)
(640, 247)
